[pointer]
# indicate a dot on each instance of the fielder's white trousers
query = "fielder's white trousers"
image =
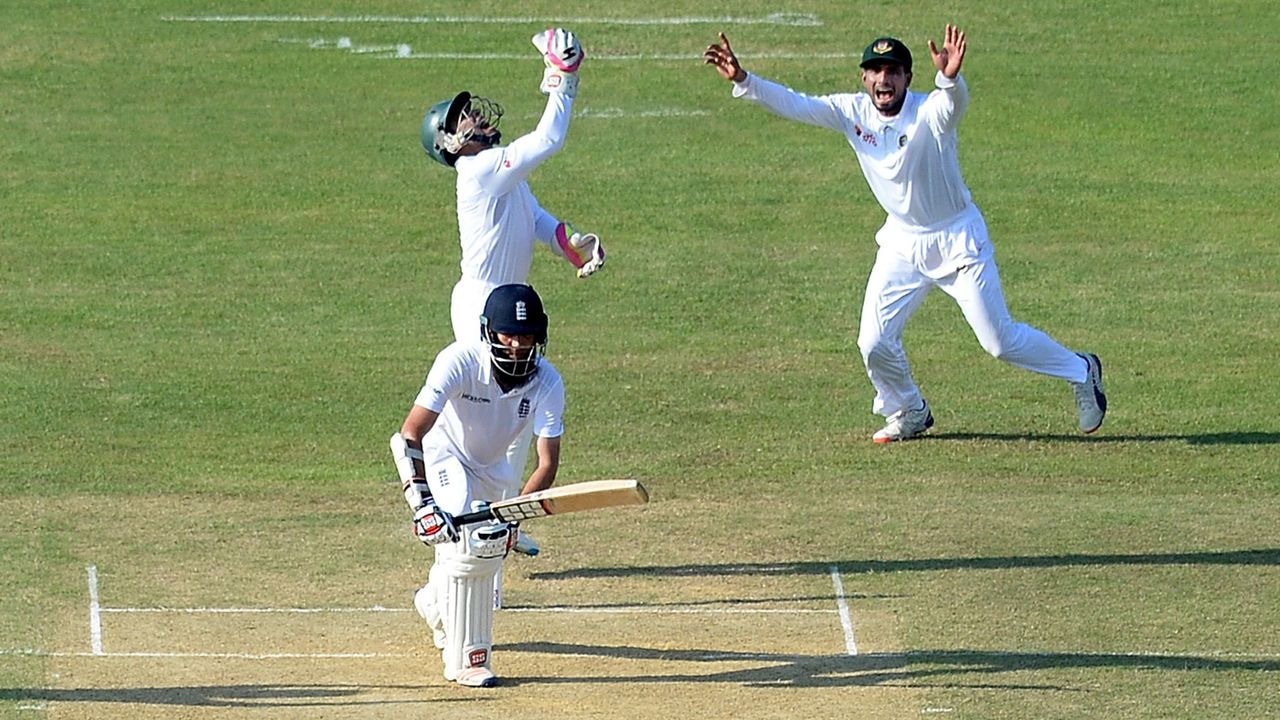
(895, 290)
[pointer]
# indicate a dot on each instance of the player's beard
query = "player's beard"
(489, 138)
(509, 382)
(512, 370)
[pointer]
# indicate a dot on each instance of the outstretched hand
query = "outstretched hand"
(949, 58)
(721, 57)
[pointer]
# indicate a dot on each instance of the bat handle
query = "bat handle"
(470, 518)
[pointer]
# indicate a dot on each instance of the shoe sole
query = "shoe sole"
(928, 423)
(474, 678)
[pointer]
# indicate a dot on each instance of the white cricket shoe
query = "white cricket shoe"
(426, 608)
(905, 424)
(525, 544)
(481, 677)
(1091, 401)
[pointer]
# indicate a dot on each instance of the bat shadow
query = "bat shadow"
(916, 668)
(1261, 556)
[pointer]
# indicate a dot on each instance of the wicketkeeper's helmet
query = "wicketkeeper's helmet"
(440, 136)
(514, 310)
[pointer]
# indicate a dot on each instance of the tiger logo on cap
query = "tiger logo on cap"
(882, 47)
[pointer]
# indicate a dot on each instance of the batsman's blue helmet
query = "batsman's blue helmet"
(514, 309)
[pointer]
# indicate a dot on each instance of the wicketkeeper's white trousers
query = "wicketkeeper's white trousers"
(465, 308)
(895, 290)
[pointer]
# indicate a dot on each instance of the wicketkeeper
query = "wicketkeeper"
(451, 454)
(499, 219)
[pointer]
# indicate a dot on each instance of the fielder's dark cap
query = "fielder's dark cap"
(886, 50)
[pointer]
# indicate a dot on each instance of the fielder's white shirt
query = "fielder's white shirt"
(478, 421)
(498, 217)
(909, 160)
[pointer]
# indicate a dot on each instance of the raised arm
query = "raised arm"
(505, 167)
(948, 103)
(779, 99)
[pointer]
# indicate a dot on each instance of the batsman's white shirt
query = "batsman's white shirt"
(478, 421)
(499, 220)
(909, 160)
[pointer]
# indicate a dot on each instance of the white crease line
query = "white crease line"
(95, 612)
(729, 656)
(215, 655)
(253, 611)
(672, 611)
(851, 645)
(778, 18)
(374, 49)
(567, 610)
(613, 113)
(404, 51)
(33, 652)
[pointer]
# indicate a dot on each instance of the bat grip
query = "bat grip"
(470, 518)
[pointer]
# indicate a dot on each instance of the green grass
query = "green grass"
(225, 266)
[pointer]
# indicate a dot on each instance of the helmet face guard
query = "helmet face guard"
(516, 364)
(514, 310)
(450, 124)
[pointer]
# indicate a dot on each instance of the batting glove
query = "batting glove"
(433, 525)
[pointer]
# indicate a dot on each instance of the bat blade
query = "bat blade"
(592, 495)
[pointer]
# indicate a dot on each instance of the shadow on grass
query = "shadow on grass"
(917, 668)
(261, 696)
(1263, 556)
(1243, 437)
(770, 602)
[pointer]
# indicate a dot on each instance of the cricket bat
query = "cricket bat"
(577, 497)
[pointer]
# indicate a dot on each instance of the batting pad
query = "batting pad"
(468, 585)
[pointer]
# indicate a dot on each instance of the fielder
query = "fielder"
(934, 235)
(450, 454)
(499, 219)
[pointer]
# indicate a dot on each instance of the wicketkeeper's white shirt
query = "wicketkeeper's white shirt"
(498, 217)
(478, 421)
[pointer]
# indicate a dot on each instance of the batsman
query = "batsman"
(499, 220)
(450, 454)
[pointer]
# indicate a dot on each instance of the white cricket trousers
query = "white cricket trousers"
(466, 305)
(895, 290)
